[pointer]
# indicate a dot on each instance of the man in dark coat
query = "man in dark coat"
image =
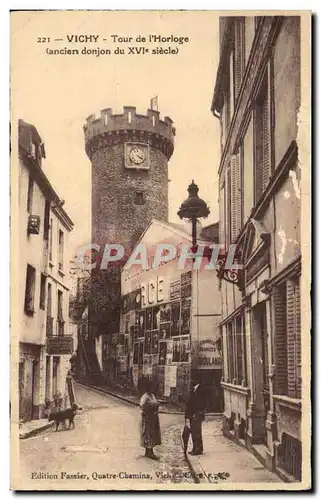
(194, 414)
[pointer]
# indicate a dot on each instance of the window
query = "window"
(46, 225)
(287, 331)
(49, 326)
(236, 350)
(61, 249)
(262, 140)
(30, 289)
(50, 241)
(42, 302)
(139, 199)
(60, 315)
(49, 301)
(30, 194)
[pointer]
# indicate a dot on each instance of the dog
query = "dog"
(63, 415)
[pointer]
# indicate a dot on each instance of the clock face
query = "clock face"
(137, 155)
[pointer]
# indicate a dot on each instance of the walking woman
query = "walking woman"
(150, 434)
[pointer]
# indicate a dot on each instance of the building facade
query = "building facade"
(169, 324)
(129, 154)
(43, 289)
(257, 100)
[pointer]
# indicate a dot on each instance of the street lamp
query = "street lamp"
(193, 208)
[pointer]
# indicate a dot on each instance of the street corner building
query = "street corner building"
(257, 100)
(43, 289)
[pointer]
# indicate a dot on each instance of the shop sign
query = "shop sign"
(59, 344)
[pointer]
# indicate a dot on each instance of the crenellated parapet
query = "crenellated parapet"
(110, 129)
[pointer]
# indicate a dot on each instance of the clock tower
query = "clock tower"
(129, 154)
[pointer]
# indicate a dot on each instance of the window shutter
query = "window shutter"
(228, 209)
(258, 134)
(280, 335)
(221, 215)
(298, 338)
(239, 349)
(239, 36)
(291, 331)
(236, 209)
(266, 169)
(262, 140)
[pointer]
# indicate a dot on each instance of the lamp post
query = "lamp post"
(192, 209)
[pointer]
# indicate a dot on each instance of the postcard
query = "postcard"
(160, 258)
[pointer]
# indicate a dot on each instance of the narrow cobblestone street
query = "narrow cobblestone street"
(104, 449)
(103, 452)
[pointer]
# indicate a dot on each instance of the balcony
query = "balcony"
(49, 326)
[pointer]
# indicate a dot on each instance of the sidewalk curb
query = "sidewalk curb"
(195, 467)
(134, 403)
(105, 391)
(34, 432)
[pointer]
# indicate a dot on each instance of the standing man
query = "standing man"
(194, 415)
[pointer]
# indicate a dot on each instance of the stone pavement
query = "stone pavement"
(224, 461)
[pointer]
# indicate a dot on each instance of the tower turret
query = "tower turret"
(129, 154)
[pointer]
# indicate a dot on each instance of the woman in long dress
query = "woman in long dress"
(150, 434)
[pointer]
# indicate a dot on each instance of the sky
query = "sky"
(56, 93)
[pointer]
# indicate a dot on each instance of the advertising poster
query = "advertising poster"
(162, 353)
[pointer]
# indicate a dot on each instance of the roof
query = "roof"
(175, 228)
